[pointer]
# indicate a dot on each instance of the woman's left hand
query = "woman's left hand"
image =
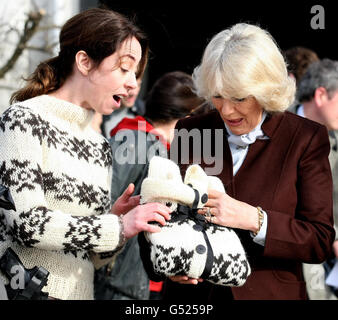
(126, 201)
(229, 212)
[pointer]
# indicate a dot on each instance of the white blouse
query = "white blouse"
(239, 146)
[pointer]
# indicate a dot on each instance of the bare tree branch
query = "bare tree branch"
(46, 28)
(45, 49)
(31, 24)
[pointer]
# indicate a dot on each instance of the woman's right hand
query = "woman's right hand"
(136, 220)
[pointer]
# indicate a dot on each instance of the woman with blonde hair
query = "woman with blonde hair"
(274, 167)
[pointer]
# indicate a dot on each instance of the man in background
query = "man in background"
(317, 94)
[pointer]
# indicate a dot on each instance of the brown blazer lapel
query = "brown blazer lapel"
(264, 178)
(269, 128)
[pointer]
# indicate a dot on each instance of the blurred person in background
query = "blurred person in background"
(298, 59)
(318, 100)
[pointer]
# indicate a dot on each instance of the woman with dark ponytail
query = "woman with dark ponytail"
(58, 169)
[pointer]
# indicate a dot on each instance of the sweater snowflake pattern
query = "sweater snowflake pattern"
(58, 171)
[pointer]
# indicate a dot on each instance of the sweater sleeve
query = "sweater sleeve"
(34, 224)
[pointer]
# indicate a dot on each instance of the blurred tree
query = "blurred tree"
(30, 28)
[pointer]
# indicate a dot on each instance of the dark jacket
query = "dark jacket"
(333, 159)
(288, 176)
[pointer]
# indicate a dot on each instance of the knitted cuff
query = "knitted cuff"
(122, 238)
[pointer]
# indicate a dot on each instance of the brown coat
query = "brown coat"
(288, 176)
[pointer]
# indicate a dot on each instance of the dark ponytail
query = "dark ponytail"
(98, 32)
(44, 79)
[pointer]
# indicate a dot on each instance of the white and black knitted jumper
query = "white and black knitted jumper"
(58, 170)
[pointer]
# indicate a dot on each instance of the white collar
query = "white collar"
(246, 139)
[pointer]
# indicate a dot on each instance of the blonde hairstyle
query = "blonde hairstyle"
(244, 61)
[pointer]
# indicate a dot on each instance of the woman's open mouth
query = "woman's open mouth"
(235, 122)
(117, 100)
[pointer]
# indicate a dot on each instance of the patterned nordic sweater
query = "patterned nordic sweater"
(58, 171)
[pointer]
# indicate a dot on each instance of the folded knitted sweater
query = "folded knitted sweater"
(58, 171)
